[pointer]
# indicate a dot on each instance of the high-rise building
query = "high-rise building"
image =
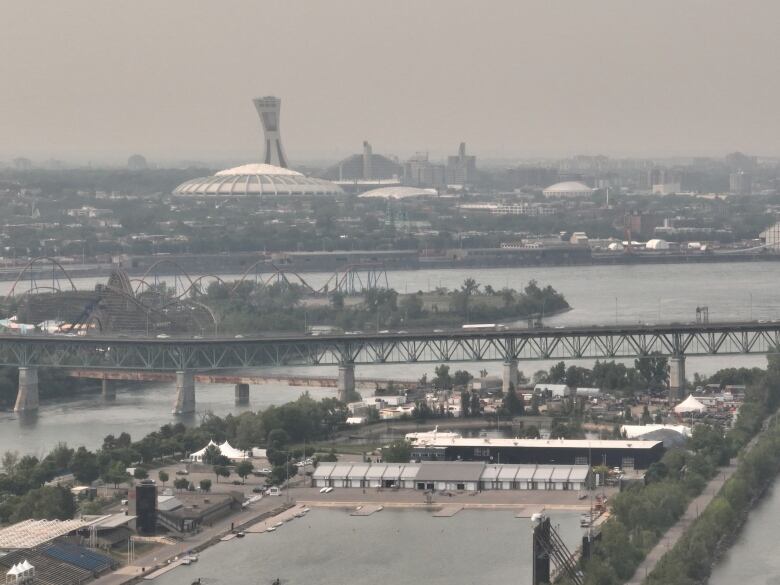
(740, 183)
(421, 172)
(268, 109)
(461, 168)
(143, 504)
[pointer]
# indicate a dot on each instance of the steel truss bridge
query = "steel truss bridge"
(219, 353)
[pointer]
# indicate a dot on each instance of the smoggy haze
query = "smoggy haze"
(175, 79)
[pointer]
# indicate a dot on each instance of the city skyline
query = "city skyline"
(523, 80)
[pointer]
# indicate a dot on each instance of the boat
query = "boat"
(240, 534)
(271, 529)
(185, 561)
(278, 524)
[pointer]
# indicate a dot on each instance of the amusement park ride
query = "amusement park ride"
(164, 299)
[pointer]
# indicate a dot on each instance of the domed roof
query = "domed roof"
(397, 193)
(260, 180)
(571, 188)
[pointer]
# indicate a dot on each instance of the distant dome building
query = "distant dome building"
(256, 180)
(568, 189)
(271, 178)
(137, 162)
(365, 167)
(398, 193)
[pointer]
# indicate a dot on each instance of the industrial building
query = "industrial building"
(623, 454)
(452, 476)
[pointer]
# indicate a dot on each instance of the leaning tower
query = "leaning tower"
(268, 109)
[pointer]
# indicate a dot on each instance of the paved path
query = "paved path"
(672, 535)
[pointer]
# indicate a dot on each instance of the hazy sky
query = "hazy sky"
(173, 79)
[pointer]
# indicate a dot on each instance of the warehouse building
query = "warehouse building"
(624, 454)
(452, 476)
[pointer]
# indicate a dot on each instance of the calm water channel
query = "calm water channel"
(329, 547)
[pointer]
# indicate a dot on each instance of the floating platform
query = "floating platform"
(448, 511)
(366, 510)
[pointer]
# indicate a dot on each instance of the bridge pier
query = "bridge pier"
(108, 389)
(346, 383)
(676, 378)
(27, 394)
(510, 375)
(185, 392)
(242, 394)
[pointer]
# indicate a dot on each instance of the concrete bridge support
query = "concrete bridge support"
(185, 392)
(510, 375)
(676, 378)
(27, 394)
(346, 383)
(109, 389)
(242, 394)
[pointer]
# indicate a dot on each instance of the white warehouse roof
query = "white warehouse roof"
(568, 189)
(258, 180)
(397, 193)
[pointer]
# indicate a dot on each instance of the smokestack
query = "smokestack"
(268, 109)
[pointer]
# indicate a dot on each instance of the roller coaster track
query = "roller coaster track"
(35, 287)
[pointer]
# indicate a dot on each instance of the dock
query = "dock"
(366, 510)
(448, 511)
(162, 570)
(286, 516)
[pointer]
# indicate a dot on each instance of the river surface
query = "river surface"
(597, 294)
(330, 547)
(754, 558)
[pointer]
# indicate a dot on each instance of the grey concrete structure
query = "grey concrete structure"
(510, 375)
(676, 378)
(108, 389)
(268, 109)
(185, 392)
(346, 383)
(242, 394)
(27, 396)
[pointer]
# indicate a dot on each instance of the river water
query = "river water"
(330, 547)
(598, 294)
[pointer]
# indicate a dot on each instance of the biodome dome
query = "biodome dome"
(568, 189)
(256, 180)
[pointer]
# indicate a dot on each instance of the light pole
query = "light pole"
(616, 310)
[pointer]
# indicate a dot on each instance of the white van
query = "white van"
(274, 491)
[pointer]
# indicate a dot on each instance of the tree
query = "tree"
(221, 471)
(50, 503)
(443, 380)
(652, 370)
(461, 378)
(181, 483)
(205, 485)
(476, 406)
(646, 418)
(211, 454)
(465, 404)
(512, 404)
(244, 469)
(163, 476)
(84, 466)
(397, 452)
(557, 374)
(116, 473)
(140, 473)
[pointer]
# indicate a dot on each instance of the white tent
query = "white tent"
(20, 572)
(232, 453)
(225, 449)
(690, 404)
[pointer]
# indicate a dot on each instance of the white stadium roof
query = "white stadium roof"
(568, 189)
(256, 180)
(398, 193)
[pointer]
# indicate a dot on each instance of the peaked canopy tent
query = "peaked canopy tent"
(225, 449)
(690, 404)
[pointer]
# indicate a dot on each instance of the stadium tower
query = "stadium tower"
(268, 109)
